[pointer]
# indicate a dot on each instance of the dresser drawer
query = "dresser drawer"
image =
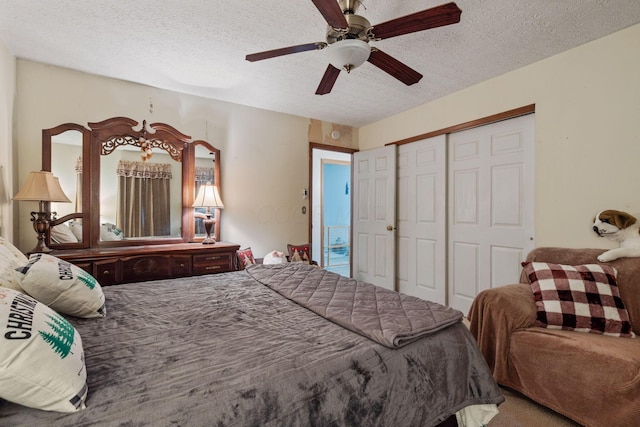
(114, 265)
(212, 263)
(106, 272)
(146, 267)
(181, 266)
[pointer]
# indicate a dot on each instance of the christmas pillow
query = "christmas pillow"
(62, 286)
(41, 356)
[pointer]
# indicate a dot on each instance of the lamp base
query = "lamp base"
(41, 226)
(208, 241)
(208, 225)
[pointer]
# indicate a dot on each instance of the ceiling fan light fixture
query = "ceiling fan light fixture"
(348, 54)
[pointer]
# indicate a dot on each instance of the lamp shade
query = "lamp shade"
(41, 186)
(348, 54)
(208, 197)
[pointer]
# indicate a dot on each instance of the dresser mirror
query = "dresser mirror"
(130, 183)
(63, 151)
(206, 159)
(139, 199)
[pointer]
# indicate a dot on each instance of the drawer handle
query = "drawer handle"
(212, 267)
(105, 273)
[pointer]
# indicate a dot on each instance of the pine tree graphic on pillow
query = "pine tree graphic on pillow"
(62, 338)
(87, 279)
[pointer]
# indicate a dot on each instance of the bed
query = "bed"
(233, 349)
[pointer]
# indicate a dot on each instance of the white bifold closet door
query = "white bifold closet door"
(461, 220)
(421, 268)
(490, 207)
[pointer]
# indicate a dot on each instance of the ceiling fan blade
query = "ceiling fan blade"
(392, 66)
(438, 16)
(332, 13)
(328, 80)
(285, 51)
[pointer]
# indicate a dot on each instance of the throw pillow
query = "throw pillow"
(299, 253)
(76, 228)
(109, 232)
(274, 257)
(11, 254)
(583, 298)
(42, 357)
(245, 258)
(9, 277)
(62, 286)
(62, 234)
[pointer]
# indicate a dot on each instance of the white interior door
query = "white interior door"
(374, 182)
(491, 199)
(421, 217)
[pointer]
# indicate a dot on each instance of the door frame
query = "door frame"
(317, 146)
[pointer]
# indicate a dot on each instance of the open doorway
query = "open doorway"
(331, 208)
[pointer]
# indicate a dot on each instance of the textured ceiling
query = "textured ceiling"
(198, 47)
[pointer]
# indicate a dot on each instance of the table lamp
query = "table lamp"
(208, 197)
(41, 186)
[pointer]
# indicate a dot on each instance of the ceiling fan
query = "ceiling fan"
(349, 34)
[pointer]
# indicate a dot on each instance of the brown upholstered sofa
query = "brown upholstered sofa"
(591, 378)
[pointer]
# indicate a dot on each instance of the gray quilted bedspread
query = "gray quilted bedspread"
(387, 317)
(224, 350)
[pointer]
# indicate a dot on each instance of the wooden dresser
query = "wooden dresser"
(126, 264)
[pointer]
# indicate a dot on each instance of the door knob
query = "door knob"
(389, 227)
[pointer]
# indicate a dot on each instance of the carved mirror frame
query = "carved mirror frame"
(100, 138)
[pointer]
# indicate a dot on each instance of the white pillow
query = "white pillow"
(41, 356)
(109, 232)
(11, 254)
(76, 229)
(9, 277)
(62, 286)
(274, 257)
(61, 233)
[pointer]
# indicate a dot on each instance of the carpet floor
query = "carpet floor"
(520, 411)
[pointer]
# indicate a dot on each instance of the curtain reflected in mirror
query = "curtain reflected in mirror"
(143, 199)
(78, 198)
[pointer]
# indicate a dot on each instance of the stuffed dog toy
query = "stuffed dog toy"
(620, 227)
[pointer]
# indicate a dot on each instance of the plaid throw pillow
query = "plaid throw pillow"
(583, 298)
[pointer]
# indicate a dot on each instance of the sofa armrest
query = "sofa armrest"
(495, 314)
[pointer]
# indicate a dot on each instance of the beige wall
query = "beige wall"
(587, 131)
(7, 169)
(264, 154)
(587, 138)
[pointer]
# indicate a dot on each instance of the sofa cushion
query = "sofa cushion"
(583, 298)
(591, 378)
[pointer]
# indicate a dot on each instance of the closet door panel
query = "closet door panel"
(491, 198)
(421, 259)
